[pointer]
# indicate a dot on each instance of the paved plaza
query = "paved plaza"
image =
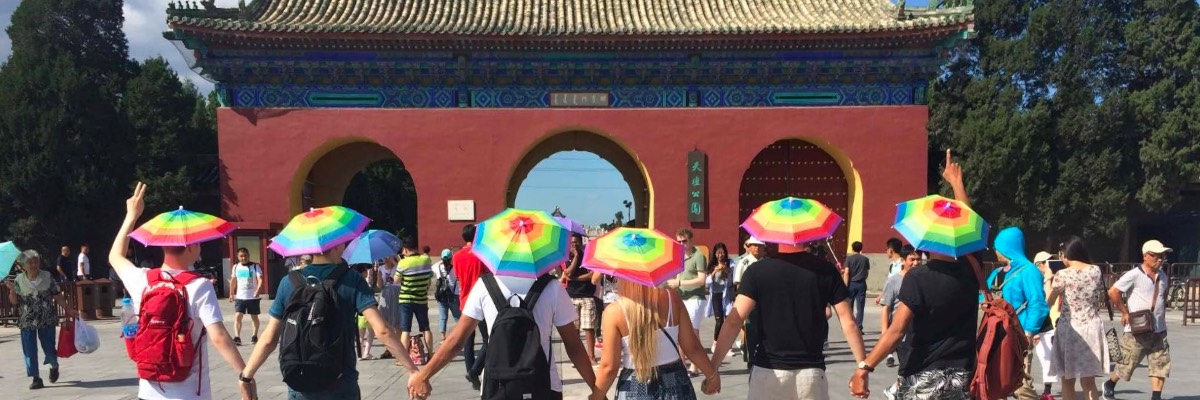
(108, 373)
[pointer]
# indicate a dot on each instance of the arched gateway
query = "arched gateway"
(462, 91)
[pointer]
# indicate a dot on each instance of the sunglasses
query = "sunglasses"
(1159, 256)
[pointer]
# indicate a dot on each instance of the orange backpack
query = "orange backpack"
(1001, 347)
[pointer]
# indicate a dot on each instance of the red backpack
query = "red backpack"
(163, 347)
(1000, 349)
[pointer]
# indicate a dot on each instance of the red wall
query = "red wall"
(468, 154)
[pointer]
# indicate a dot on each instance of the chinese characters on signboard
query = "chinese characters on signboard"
(579, 99)
(697, 165)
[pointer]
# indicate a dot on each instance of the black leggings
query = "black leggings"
(718, 308)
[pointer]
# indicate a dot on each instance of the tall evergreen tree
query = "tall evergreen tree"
(63, 138)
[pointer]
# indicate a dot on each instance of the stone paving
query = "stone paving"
(108, 373)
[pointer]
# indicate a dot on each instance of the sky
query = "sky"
(586, 187)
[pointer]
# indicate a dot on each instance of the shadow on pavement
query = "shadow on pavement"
(104, 384)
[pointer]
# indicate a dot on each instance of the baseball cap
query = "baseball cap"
(1041, 256)
(446, 253)
(753, 240)
(1155, 246)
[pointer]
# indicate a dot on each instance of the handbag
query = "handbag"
(1115, 353)
(1143, 321)
(66, 339)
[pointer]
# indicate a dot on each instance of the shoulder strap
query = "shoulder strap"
(1009, 276)
(297, 279)
(987, 294)
(186, 277)
(535, 292)
(1154, 294)
(335, 276)
(673, 344)
(153, 275)
(1107, 302)
(493, 289)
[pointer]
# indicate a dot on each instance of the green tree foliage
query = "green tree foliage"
(1070, 116)
(385, 192)
(61, 133)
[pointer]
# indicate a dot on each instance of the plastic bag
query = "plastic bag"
(66, 340)
(86, 338)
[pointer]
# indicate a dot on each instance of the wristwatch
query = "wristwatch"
(865, 367)
(243, 378)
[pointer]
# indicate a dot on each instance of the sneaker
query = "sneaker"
(475, 384)
(53, 374)
(37, 384)
(891, 362)
(890, 392)
(254, 340)
(1110, 388)
(386, 355)
(237, 341)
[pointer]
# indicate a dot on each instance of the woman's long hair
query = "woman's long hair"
(640, 305)
(713, 261)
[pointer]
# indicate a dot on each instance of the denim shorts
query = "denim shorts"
(408, 311)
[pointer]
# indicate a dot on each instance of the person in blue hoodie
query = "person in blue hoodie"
(1019, 282)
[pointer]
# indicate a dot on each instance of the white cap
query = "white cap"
(1155, 246)
(1041, 256)
(753, 240)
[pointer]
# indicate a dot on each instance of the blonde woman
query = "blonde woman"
(643, 334)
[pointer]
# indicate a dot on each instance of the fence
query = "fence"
(8, 310)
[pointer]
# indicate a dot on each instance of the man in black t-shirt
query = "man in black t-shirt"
(583, 294)
(790, 294)
(936, 316)
(858, 267)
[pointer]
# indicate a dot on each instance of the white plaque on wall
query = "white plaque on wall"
(461, 210)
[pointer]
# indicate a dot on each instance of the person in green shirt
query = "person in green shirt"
(690, 282)
(413, 274)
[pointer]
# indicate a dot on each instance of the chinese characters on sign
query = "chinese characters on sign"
(697, 164)
(579, 99)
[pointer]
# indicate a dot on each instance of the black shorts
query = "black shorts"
(246, 306)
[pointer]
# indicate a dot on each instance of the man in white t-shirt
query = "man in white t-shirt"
(84, 269)
(203, 307)
(247, 284)
(553, 309)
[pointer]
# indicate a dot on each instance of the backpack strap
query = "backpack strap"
(335, 276)
(987, 294)
(535, 291)
(493, 289)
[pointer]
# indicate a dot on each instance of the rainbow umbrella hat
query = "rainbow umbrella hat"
(181, 228)
(792, 221)
(521, 243)
(939, 225)
(645, 256)
(318, 230)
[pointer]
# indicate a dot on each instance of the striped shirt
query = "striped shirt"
(413, 274)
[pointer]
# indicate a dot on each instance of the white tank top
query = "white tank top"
(667, 353)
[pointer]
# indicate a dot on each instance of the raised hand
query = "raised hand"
(952, 172)
(136, 203)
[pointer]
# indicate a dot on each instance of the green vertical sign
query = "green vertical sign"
(697, 179)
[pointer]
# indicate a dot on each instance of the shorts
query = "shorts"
(585, 307)
(784, 384)
(408, 311)
(936, 384)
(696, 309)
(1151, 346)
(246, 306)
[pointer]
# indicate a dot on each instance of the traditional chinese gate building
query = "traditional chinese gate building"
(813, 98)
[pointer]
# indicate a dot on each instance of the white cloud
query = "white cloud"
(145, 21)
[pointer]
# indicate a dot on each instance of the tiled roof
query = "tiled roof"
(568, 18)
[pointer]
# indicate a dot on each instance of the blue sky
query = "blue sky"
(586, 187)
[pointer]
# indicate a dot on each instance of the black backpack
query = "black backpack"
(516, 367)
(444, 291)
(312, 352)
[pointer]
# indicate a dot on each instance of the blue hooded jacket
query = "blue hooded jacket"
(1023, 282)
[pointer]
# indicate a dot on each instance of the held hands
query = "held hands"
(858, 384)
(418, 386)
(711, 385)
(249, 391)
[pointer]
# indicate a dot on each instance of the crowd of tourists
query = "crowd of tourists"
(771, 304)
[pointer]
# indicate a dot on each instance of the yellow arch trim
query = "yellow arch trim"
(296, 188)
(854, 221)
(549, 135)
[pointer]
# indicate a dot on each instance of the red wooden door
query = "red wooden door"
(796, 168)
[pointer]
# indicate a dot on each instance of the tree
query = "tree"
(385, 192)
(628, 207)
(63, 137)
(169, 126)
(1073, 130)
